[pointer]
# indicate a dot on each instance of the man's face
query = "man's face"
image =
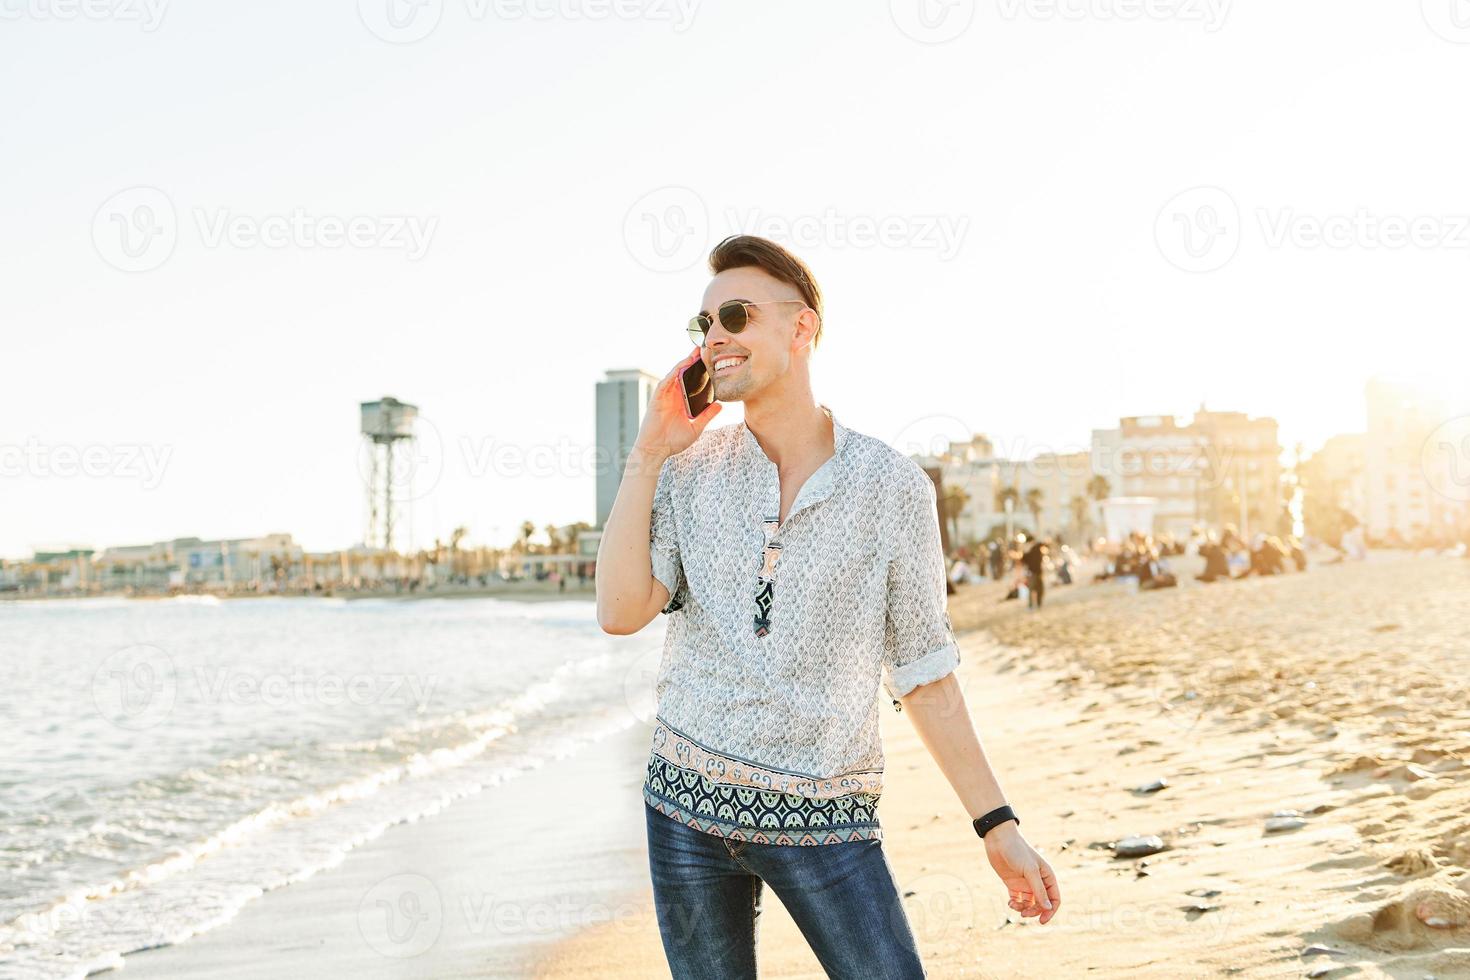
(763, 351)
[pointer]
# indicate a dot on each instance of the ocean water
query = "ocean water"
(163, 762)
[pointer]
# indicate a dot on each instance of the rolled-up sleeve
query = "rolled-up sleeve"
(663, 541)
(919, 644)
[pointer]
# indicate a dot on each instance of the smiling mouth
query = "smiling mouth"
(729, 365)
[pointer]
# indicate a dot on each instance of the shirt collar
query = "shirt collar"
(819, 485)
(839, 436)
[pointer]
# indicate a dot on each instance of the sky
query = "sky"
(225, 226)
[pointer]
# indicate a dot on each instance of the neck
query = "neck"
(791, 430)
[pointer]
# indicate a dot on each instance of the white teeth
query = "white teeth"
(726, 362)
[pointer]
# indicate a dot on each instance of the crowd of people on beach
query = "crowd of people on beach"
(1029, 563)
(1026, 561)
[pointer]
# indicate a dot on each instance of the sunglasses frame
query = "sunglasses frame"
(697, 323)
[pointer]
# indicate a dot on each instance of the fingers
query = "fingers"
(1053, 892)
(1038, 890)
(705, 417)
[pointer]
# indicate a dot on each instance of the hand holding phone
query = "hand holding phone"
(682, 406)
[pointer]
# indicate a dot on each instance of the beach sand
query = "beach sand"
(1340, 693)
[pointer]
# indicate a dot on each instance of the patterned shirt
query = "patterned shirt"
(781, 632)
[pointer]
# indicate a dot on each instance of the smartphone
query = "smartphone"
(699, 389)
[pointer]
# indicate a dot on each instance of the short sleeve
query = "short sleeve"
(664, 539)
(919, 644)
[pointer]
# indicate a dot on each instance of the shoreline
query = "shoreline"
(478, 889)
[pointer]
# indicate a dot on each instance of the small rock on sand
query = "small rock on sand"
(1138, 846)
(1279, 825)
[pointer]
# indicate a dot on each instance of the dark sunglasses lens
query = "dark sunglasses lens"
(733, 317)
(698, 327)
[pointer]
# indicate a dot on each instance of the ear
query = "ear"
(806, 329)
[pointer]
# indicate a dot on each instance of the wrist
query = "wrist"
(1000, 820)
(646, 459)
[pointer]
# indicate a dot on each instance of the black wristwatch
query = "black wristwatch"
(993, 819)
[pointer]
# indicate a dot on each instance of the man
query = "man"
(1035, 561)
(799, 565)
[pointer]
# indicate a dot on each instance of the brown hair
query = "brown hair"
(749, 251)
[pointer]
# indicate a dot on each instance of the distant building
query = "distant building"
(1401, 501)
(1220, 468)
(973, 478)
(622, 399)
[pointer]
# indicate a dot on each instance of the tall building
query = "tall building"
(622, 398)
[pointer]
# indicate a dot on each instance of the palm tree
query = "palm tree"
(1004, 494)
(1079, 506)
(1033, 504)
(523, 543)
(955, 499)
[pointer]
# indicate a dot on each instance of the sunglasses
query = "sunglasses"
(733, 315)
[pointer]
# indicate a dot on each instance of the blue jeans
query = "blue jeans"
(707, 892)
